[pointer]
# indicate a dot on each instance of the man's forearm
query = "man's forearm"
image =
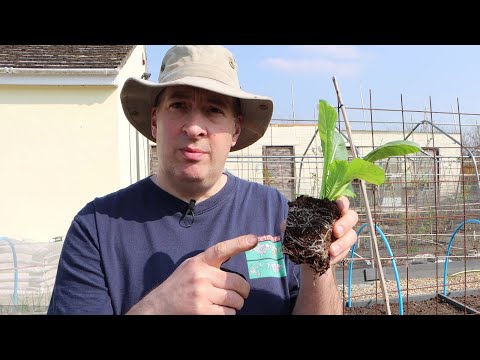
(318, 295)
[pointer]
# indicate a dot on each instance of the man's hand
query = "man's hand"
(321, 296)
(343, 231)
(198, 286)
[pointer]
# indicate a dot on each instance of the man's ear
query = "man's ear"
(153, 122)
(237, 130)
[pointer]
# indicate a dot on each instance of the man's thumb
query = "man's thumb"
(217, 254)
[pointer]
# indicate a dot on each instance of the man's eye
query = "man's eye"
(215, 110)
(178, 105)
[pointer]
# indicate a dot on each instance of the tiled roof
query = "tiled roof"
(64, 56)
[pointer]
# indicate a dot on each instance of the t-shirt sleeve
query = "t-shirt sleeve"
(80, 286)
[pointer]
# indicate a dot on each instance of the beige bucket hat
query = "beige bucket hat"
(210, 67)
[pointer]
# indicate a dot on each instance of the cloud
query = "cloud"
(342, 60)
(335, 51)
(312, 65)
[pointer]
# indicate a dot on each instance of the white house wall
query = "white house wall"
(62, 145)
(58, 150)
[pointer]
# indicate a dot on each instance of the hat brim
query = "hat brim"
(138, 97)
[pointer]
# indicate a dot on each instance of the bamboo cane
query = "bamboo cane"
(367, 205)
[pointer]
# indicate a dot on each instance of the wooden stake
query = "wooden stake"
(367, 205)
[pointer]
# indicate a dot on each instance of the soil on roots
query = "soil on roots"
(308, 232)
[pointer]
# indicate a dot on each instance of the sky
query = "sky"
(296, 77)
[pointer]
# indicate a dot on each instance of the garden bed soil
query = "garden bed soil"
(433, 306)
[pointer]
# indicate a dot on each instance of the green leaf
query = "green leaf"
(364, 170)
(341, 173)
(392, 148)
(341, 152)
(327, 118)
(349, 191)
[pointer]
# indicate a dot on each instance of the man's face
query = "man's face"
(195, 130)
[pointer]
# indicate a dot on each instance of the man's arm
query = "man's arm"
(319, 294)
(80, 286)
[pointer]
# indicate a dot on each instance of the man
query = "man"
(193, 239)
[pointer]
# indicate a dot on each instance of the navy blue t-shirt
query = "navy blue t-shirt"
(121, 246)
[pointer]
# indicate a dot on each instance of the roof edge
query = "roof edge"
(39, 71)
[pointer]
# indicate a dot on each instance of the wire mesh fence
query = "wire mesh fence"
(428, 208)
(27, 274)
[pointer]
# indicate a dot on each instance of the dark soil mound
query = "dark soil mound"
(434, 306)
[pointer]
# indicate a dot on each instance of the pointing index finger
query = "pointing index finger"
(217, 254)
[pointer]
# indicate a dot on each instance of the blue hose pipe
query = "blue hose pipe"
(394, 266)
(445, 267)
(15, 270)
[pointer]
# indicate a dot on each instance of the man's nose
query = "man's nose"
(194, 124)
